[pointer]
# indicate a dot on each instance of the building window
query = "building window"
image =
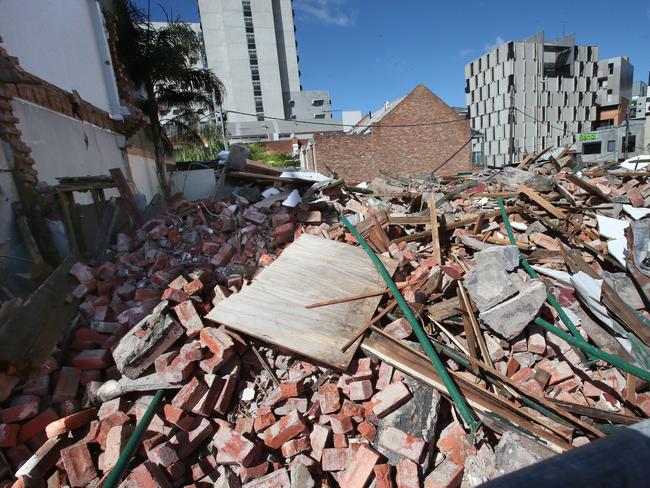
(255, 74)
(591, 147)
(318, 102)
(631, 143)
(610, 68)
(611, 146)
(319, 116)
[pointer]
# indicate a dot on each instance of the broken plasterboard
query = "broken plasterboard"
(310, 270)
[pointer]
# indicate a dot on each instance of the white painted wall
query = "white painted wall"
(63, 146)
(64, 43)
(8, 195)
(143, 173)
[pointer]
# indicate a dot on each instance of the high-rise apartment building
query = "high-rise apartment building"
(527, 95)
(251, 46)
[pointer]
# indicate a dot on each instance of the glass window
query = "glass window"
(611, 146)
(591, 147)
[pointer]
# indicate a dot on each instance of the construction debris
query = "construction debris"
(219, 371)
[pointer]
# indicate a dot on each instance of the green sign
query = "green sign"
(587, 137)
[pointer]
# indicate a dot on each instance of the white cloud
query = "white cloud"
(463, 53)
(326, 11)
(493, 45)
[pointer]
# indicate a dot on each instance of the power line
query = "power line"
(343, 125)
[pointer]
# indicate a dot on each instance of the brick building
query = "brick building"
(376, 143)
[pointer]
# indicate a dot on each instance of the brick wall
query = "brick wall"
(400, 151)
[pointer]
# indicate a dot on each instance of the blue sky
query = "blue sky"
(368, 51)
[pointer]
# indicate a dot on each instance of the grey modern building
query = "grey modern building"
(251, 46)
(527, 95)
(607, 144)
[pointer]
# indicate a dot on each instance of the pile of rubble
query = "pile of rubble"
(235, 410)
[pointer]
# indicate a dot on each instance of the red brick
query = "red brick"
(446, 475)
(367, 430)
(291, 388)
(334, 459)
(329, 398)
(193, 287)
(245, 426)
(512, 366)
(19, 412)
(295, 446)
(408, 475)
(67, 385)
(276, 479)
(389, 399)
(218, 341)
(188, 318)
(146, 475)
(71, 422)
(262, 422)
(178, 417)
(383, 476)
(399, 329)
(174, 295)
(361, 468)
(78, 465)
(255, 471)
(189, 395)
(9, 434)
(285, 429)
(206, 403)
(340, 440)
(225, 397)
(223, 255)
(319, 437)
(116, 418)
(341, 424)
(111, 406)
(360, 390)
(402, 443)
(235, 446)
(92, 359)
(384, 376)
(454, 444)
(36, 426)
(116, 441)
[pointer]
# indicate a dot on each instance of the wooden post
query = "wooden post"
(435, 237)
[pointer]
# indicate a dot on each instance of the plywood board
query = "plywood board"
(312, 269)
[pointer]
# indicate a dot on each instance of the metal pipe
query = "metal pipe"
(594, 351)
(454, 392)
(533, 274)
(123, 461)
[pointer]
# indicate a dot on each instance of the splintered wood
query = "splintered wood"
(273, 307)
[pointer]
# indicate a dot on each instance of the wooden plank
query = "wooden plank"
(542, 202)
(435, 236)
(419, 367)
(467, 307)
(127, 196)
(586, 186)
(311, 269)
(106, 228)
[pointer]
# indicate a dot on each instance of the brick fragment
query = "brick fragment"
(78, 464)
(367, 430)
(146, 475)
(7, 384)
(71, 422)
(383, 476)
(174, 295)
(276, 479)
(334, 459)
(250, 473)
(9, 434)
(67, 385)
(360, 390)
(295, 446)
(116, 441)
(389, 399)
(329, 398)
(453, 443)
(188, 318)
(361, 467)
(341, 424)
(402, 443)
(20, 411)
(219, 342)
(223, 255)
(193, 287)
(36, 426)
(92, 359)
(188, 396)
(234, 445)
(291, 388)
(408, 475)
(262, 422)
(446, 475)
(319, 438)
(399, 329)
(225, 397)
(285, 429)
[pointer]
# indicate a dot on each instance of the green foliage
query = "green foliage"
(259, 153)
(205, 148)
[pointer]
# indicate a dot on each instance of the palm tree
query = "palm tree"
(162, 62)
